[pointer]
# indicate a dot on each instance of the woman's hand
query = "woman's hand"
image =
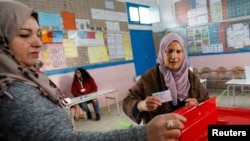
(151, 103)
(165, 127)
(192, 101)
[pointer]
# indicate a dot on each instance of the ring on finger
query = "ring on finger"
(170, 124)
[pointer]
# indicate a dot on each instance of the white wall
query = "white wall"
(167, 14)
(214, 61)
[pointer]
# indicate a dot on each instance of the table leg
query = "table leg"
(228, 99)
(234, 95)
(107, 103)
(117, 105)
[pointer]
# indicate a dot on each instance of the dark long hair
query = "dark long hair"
(85, 75)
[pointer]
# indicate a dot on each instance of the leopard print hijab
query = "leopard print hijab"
(12, 16)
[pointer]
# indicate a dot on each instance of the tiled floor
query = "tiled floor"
(109, 121)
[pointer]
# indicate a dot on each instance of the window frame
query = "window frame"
(128, 5)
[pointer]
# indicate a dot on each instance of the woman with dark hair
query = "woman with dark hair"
(84, 84)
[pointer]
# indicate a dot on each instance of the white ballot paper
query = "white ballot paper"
(165, 96)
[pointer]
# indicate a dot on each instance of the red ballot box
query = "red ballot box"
(206, 113)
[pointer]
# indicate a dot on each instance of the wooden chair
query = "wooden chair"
(206, 73)
(195, 70)
(221, 73)
(74, 112)
(238, 73)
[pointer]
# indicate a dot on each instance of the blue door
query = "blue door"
(143, 50)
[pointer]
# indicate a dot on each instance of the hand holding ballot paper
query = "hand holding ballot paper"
(165, 96)
(151, 103)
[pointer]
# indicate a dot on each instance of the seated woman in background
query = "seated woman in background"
(170, 78)
(84, 84)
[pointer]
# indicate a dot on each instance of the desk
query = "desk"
(204, 81)
(233, 83)
(80, 99)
